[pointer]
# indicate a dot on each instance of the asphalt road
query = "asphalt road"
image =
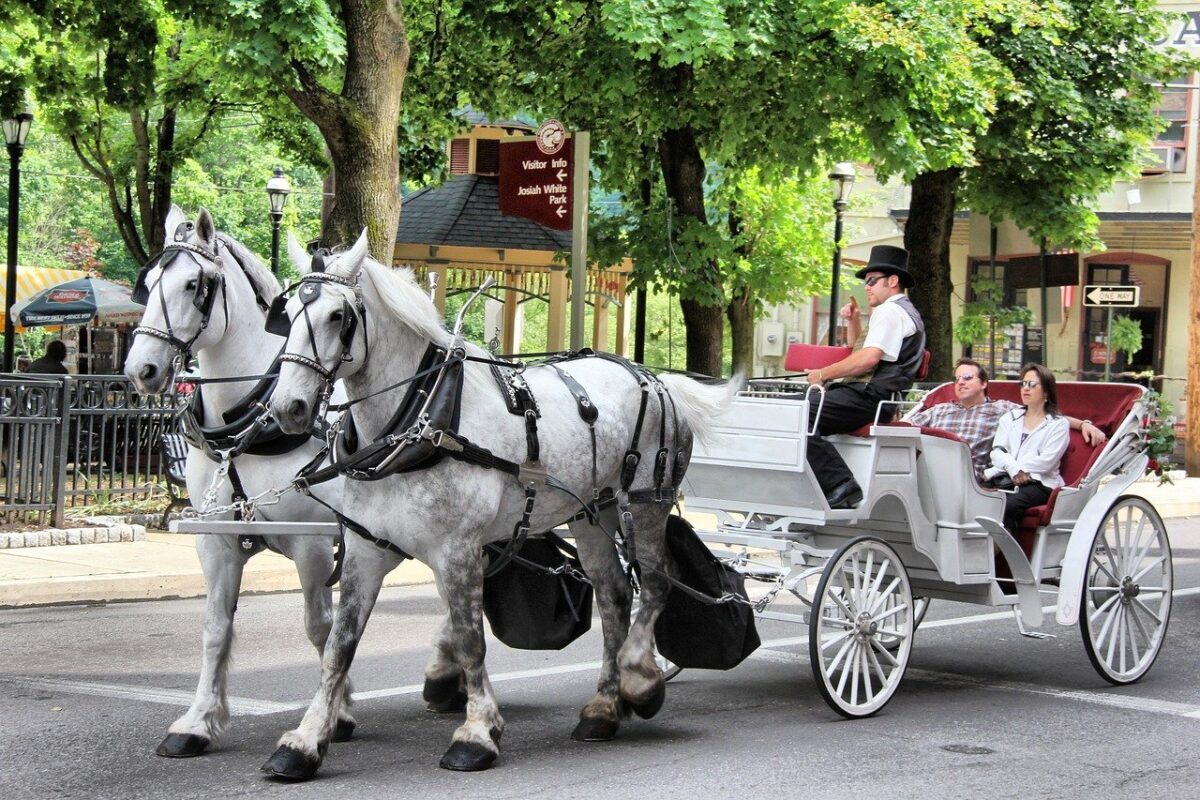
(86, 693)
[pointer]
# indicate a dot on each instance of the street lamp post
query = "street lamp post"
(842, 177)
(278, 189)
(16, 129)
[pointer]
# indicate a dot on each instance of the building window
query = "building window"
(487, 156)
(1169, 153)
(460, 154)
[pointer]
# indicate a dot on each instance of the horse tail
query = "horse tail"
(699, 403)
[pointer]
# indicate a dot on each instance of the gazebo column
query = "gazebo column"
(439, 294)
(600, 322)
(622, 316)
(556, 321)
(508, 325)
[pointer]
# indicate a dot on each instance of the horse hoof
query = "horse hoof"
(290, 764)
(467, 757)
(344, 731)
(456, 704)
(182, 745)
(442, 691)
(595, 729)
(652, 705)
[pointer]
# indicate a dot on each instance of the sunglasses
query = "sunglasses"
(1030, 384)
(964, 378)
(869, 282)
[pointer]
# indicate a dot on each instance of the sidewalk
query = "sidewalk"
(165, 565)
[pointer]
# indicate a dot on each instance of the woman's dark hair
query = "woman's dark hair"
(56, 350)
(1049, 385)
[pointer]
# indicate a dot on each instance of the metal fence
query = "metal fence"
(71, 441)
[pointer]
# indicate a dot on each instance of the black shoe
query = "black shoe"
(847, 494)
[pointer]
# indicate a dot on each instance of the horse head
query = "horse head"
(325, 325)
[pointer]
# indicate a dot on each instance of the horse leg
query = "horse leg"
(314, 563)
(300, 751)
(600, 718)
(444, 691)
(205, 720)
(475, 744)
(641, 683)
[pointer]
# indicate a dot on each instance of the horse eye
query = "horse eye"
(191, 285)
(336, 316)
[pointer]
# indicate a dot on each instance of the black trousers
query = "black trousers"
(1018, 502)
(847, 406)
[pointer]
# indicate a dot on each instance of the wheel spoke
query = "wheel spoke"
(1115, 620)
(1147, 609)
(841, 637)
(888, 594)
(1148, 567)
(1131, 614)
(891, 612)
(841, 687)
(866, 675)
(1107, 622)
(1102, 609)
(842, 604)
(845, 623)
(879, 649)
(841, 654)
(1123, 628)
(1137, 559)
(1111, 573)
(878, 668)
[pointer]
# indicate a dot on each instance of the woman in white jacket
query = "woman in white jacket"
(1029, 445)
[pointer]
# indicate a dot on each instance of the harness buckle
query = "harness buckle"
(440, 439)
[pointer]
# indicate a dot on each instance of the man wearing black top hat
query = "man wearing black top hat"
(883, 363)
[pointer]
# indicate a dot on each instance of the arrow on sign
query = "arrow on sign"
(561, 175)
(561, 212)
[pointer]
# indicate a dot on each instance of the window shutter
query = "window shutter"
(487, 157)
(460, 153)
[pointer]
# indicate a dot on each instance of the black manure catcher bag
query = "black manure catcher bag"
(537, 601)
(693, 633)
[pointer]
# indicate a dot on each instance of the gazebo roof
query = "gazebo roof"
(465, 212)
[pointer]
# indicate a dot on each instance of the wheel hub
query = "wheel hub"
(1129, 590)
(865, 627)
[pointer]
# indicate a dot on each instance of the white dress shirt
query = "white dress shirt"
(888, 327)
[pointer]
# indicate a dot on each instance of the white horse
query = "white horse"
(357, 321)
(207, 295)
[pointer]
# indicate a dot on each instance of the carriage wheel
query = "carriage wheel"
(862, 605)
(1126, 601)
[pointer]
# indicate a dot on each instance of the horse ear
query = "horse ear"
(357, 254)
(206, 229)
(298, 255)
(175, 217)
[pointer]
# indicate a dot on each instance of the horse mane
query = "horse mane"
(265, 285)
(404, 300)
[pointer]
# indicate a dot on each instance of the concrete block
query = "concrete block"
(73, 536)
(87, 536)
(44, 539)
(57, 537)
(124, 531)
(101, 535)
(31, 539)
(3, 541)
(15, 540)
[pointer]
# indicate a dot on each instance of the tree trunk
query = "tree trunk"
(741, 328)
(360, 124)
(683, 175)
(927, 239)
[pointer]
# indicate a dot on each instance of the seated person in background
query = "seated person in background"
(52, 362)
(973, 416)
(1029, 445)
(886, 361)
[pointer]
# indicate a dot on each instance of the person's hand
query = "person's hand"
(850, 309)
(816, 377)
(1021, 478)
(1091, 434)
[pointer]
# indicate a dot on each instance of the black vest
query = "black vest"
(898, 375)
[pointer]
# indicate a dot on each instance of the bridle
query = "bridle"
(208, 285)
(309, 288)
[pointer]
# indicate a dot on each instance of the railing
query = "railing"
(71, 441)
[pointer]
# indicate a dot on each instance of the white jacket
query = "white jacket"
(1039, 455)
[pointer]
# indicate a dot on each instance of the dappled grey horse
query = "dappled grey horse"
(207, 294)
(472, 469)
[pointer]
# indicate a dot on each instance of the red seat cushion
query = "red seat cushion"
(803, 357)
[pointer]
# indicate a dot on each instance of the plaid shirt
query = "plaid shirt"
(975, 425)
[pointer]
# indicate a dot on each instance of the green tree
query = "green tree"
(1078, 116)
(680, 94)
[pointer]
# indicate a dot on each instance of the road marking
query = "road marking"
(238, 706)
(245, 706)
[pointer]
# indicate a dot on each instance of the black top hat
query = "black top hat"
(890, 261)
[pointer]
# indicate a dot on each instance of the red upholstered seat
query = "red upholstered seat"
(803, 357)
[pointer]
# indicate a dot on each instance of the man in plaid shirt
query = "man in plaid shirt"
(974, 417)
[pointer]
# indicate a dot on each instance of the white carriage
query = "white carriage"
(926, 529)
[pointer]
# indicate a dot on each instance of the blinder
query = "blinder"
(308, 290)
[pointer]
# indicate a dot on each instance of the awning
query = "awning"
(31, 280)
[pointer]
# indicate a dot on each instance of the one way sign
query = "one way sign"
(1112, 296)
